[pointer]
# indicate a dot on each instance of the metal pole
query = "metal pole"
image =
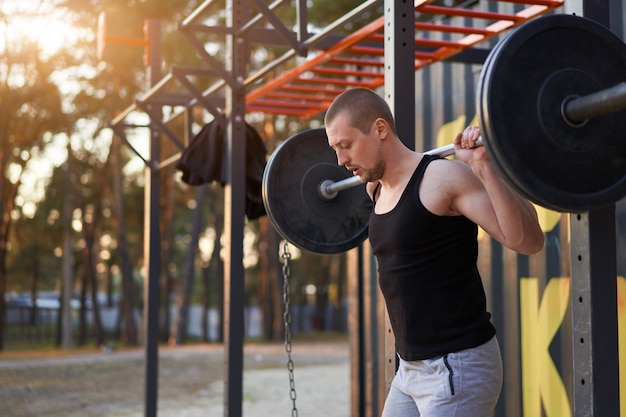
(399, 80)
(152, 234)
(594, 290)
(234, 214)
(594, 314)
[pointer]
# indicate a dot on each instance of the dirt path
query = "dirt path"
(190, 382)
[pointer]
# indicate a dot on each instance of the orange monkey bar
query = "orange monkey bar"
(358, 59)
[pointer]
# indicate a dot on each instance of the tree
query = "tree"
(99, 91)
(32, 112)
(91, 205)
(179, 328)
(128, 303)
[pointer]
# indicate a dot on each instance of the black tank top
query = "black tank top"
(428, 276)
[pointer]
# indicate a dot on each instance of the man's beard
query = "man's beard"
(375, 173)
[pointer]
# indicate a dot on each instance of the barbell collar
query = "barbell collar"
(577, 110)
(328, 189)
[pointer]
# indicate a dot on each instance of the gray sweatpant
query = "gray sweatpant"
(459, 384)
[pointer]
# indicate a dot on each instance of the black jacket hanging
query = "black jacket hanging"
(203, 162)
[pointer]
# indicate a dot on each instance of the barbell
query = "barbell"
(550, 104)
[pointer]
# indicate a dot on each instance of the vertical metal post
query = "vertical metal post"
(356, 333)
(234, 213)
(399, 79)
(594, 314)
(152, 234)
(594, 289)
(400, 66)
(303, 20)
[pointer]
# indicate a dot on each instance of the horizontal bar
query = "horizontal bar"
(193, 16)
(155, 88)
(242, 31)
(434, 27)
(332, 92)
(336, 81)
(345, 72)
(279, 103)
(345, 19)
(310, 98)
(170, 161)
(357, 62)
(120, 117)
(477, 14)
(547, 3)
(603, 102)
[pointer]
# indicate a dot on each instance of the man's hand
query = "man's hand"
(466, 149)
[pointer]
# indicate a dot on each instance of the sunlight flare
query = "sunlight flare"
(36, 24)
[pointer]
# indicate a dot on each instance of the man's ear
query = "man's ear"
(381, 127)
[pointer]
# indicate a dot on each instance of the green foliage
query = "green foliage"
(74, 93)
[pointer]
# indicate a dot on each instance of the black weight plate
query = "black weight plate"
(521, 88)
(290, 193)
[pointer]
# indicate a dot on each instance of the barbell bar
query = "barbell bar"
(550, 104)
(328, 189)
(579, 110)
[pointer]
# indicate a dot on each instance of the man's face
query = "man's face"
(358, 152)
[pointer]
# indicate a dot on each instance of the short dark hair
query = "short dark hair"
(363, 106)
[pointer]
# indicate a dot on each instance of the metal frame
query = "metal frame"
(595, 346)
(370, 57)
(594, 313)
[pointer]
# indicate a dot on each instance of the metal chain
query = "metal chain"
(286, 256)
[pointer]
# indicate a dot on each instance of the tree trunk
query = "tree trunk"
(33, 290)
(92, 282)
(271, 282)
(167, 250)
(82, 312)
(339, 306)
(10, 192)
(67, 270)
(212, 267)
(129, 335)
(109, 284)
(179, 329)
(59, 333)
(206, 296)
(91, 223)
(265, 290)
(218, 264)
(321, 295)
(270, 264)
(3, 277)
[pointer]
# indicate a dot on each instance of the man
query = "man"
(423, 231)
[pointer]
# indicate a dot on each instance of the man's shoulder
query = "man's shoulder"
(447, 169)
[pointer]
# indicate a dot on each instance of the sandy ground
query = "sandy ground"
(190, 382)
